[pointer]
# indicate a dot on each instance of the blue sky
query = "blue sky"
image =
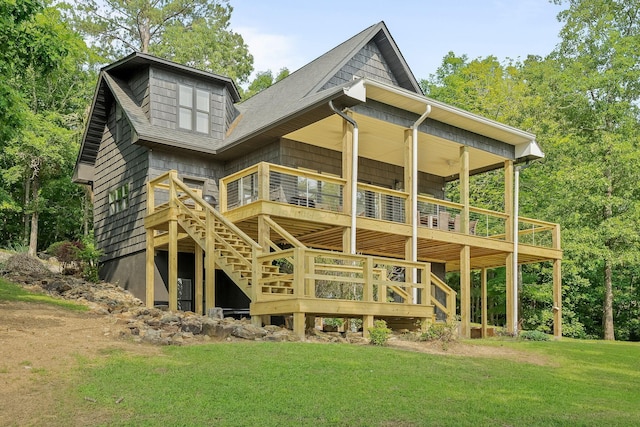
(286, 33)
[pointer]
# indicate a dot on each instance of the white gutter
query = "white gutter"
(414, 193)
(354, 175)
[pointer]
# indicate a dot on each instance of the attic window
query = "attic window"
(194, 109)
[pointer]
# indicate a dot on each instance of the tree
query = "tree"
(43, 148)
(191, 32)
(263, 80)
(25, 40)
(596, 94)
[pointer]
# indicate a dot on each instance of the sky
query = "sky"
(288, 33)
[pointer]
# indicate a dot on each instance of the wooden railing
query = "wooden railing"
(312, 273)
(265, 181)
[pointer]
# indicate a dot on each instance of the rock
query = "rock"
(355, 338)
(170, 318)
(217, 330)
(191, 325)
(26, 264)
(248, 331)
(152, 336)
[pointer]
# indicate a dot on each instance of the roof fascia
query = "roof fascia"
(530, 148)
(86, 129)
(154, 60)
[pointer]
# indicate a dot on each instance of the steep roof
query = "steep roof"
(304, 87)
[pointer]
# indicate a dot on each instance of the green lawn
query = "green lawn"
(292, 384)
(12, 292)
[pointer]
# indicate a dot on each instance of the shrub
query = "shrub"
(534, 336)
(443, 332)
(90, 256)
(379, 334)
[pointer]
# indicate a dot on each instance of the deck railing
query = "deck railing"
(312, 273)
(265, 181)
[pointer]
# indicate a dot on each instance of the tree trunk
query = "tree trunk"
(607, 321)
(26, 216)
(608, 303)
(33, 237)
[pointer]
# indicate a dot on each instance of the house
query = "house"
(322, 195)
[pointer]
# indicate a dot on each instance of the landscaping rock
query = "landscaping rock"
(248, 332)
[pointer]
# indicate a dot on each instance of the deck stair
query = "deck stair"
(298, 279)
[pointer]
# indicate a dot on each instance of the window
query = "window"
(194, 108)
(119, 199)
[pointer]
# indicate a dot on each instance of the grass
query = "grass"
(12, 292)
(270, 384)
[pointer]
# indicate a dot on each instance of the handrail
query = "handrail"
(382, 190)
(283, 233)
(206, 206)
(305, 174)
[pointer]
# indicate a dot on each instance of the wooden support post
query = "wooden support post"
(508, 210)
(173, 265)
(483, 303)
(210, 264)
(367, 323)
(298, 271)
(150, 270)
(426, 284)
(263, 181)
(299, 325)
(198, 279)
(264, 233)
(557, 299)
(464, 189)
(367, 293)
(465, 292)
(310, 284)
(408, 175)
(222, 196)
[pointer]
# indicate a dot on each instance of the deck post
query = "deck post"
(198, 279)
(210, 264)
(299, 324)
(263, 181)
(465, 292)
(367, 323)
(509, 226)
(173, 265)
(464, 189)
(557, 299)
(465, 252)
(483, 306)
(150, 270)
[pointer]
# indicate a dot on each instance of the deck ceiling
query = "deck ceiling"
(384, 142)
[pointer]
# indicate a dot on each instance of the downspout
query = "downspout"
(414, 192)
(354, 175)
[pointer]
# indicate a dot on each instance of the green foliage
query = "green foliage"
(263, 80)
(379, 334)
(190, 32)
(534, 336)
(13, 292)
(445, 332)
(90, 255)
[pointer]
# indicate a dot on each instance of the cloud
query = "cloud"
(271, 51)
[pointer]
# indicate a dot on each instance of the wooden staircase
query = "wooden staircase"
(234, 250)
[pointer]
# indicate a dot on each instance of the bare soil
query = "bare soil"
(40, 345)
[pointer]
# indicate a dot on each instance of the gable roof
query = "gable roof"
(302, 89)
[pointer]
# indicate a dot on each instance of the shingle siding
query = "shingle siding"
(368, 62)
(164, 101)
(139, 84)
(119, 163)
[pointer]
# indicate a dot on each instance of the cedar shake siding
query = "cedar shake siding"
(119, 163)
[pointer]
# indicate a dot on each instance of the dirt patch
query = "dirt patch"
(39, 347)
(467, 349)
